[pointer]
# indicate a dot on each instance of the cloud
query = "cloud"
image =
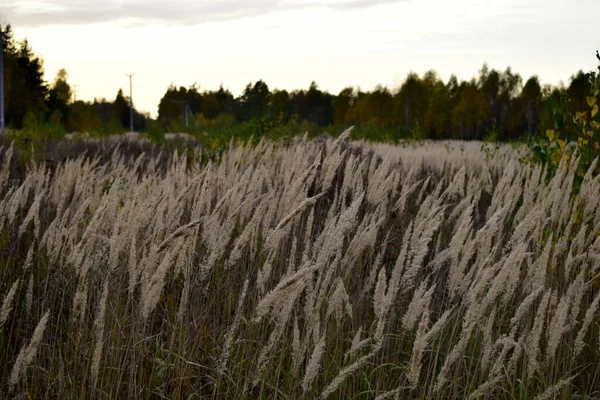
(31, 13)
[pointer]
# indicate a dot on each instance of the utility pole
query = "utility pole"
(130, 75)
(1, 81)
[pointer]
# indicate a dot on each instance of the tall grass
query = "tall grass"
(321, 268)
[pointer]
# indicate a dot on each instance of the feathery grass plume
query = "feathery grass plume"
(232, 330)
(5, 170)
(305, 203)
(99, 332)
(314, 364)
(507, 343)
(567, 199)
(4, 202)
(339, 302)
(185, 292)
(382, 184)
(457, 351)
(503, 284)
(422, 339)
(27, 354)
(178, 233)
(484, 290)
(373, 271)
(587, 179)
(515, 261)
(349, 370)
(488, 342)
(152, 292)
(419, 303)
(490, 229)
(559, 326)
(365, 238)
(329, 242)
(486, 387)
(578, 294)
(460, 276)
(357, 343)
(418, 347)
(523, 309)
(551, 392)
(308, 236)
(80, 298)
(456, 245)
(291, 267)
(400, 204)
(132, 264)
(349, 173)
(419, 199)
(528, 224)
(217, 241)
(502, 188)
(330, 166)
(295, 345)
(518, 351)
(577, 245)
(589, 316)
(33, 215)
(394, 284)
(540, 266)
(532, 343)
(7, 302)
(281, 317)
(19, 197)
(379, 296)
(29, 295)
(282, 290)
(457, 186)
(29, 259)
(244, 238)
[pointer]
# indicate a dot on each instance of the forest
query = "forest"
(494, 105)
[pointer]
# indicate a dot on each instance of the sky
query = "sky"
(290, 43)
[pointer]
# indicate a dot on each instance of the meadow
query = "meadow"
(317, 268)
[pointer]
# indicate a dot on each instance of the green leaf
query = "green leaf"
(591, 100)
(594, 110)
(550, 134)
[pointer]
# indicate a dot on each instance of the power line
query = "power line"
(1, 80)
(130, 75)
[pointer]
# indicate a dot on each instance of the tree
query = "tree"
(379, 107)
(468, 116)
(439, 112)
(342, 103)
(526, 113)
(280, 104)
(254, 100)
(59, 96)
(226, 100)
(170, 108)
(83, 117)
(25, 89)
(121, 108)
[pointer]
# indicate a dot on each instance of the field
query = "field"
(320, 268)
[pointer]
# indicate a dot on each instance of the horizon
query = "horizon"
(289, 44)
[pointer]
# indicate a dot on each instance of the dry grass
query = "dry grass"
(323, 268)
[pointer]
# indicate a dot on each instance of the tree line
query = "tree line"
(31, 102)
(494, 104)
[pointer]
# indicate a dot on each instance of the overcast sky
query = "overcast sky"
(289, 43)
